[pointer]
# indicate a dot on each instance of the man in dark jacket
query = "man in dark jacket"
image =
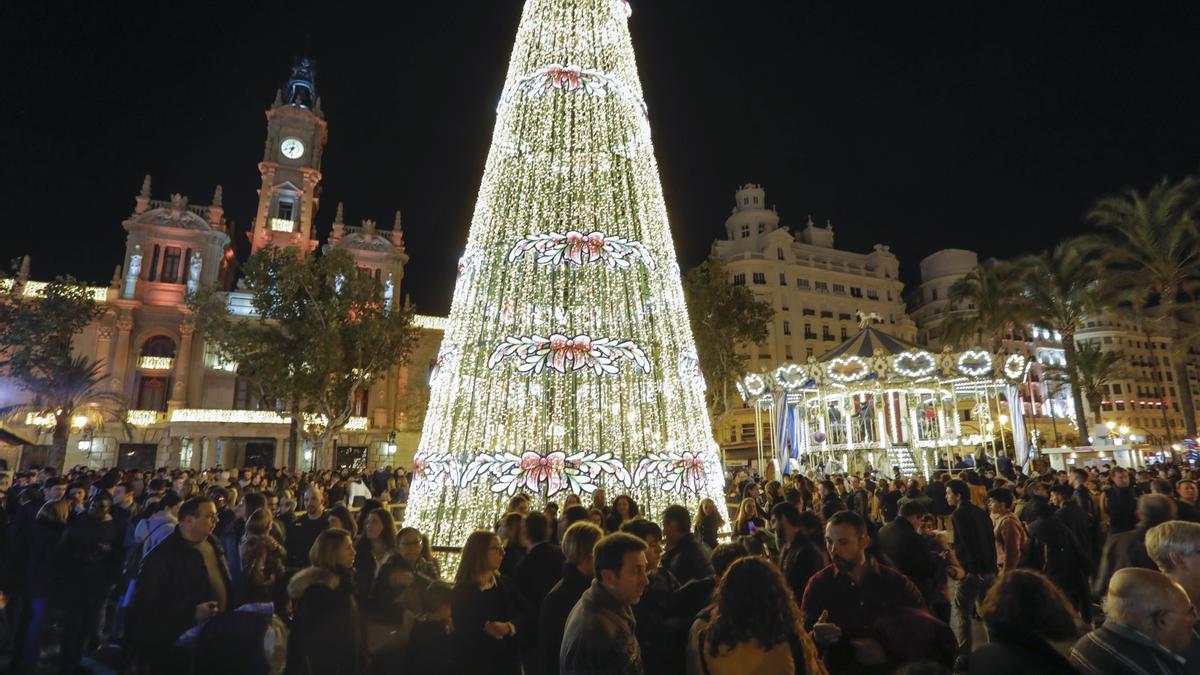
(90, 555)
(831, 501)
(799, 557)
(686, 558)
(600, 635)
(974, 544)
(902, 547)
(303, 531)
(1054, 550)
(1119, 502)
(541, 568)
(182, 581)
(577, 572)
(1128, 549)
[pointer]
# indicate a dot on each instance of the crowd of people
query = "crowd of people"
(979, 570)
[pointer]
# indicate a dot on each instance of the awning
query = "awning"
(9, 438)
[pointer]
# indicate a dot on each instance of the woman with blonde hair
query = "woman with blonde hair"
(709, 522)
(327, 632)
(747, 518)
(262, 558)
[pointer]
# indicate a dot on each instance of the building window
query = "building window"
(170, 265)
(808, 332)
(787, 352)
(844, 336)
(756, 200)
(808, 312)
(779, 252)
(154, 264)
(842, 316)
(802, 283)
(760, 278)
(839, 288)
(822, 287)
(825, 334)
(872, 295)
(933, 294)
(787, 328)
(745, 201)
(739, 279)
(782, 279)
(285, 210)
(762, 227)
(855, 292)
(808, 352)
(826, 314)
(745, 231)
(187, 267)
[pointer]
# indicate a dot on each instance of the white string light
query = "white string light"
(568, 350)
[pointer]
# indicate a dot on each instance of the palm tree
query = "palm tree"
(986, 305)
(1061, 288)
(1094, 370)
(75, 389)
(1152, 242)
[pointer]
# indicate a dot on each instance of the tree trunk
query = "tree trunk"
(1073, 374)
(1185, 394)
(58, 444)
(294, 453)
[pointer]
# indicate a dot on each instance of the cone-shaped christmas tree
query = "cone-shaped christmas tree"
(568, 363)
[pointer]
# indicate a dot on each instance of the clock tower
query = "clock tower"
(291, 164)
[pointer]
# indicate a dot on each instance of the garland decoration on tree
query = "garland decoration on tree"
(561, 353)
(578, 249)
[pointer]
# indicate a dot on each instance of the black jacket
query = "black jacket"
(1018, 651)
(42, 571)
(90, 553)
(1121, 506)
(327, 637)
(478, 652)
(301, 534)
(688, 559)
(1055, 551)
(600, 637)
(1121, 550)
(903, 548)
(538, 572)
(936, 491)
(1080, 524)
(172, 580)
(831, 504)
(552, 617)
(798, 561)
(974, 539)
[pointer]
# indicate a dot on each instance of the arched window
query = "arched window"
(159, 345)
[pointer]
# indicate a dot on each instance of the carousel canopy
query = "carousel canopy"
(869, 343)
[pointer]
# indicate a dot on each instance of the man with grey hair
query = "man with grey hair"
(1128, 549)
(1175, 548)
(1148, 624)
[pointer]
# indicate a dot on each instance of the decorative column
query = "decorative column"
(104, 335)
(120, 360)
(182, 360)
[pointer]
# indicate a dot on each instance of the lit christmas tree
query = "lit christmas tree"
(568, 363)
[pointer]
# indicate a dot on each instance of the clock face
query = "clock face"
(291, 148)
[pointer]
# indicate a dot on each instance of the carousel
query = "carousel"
(878, 402)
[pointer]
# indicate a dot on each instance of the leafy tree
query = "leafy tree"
(987, 304)
(723, 316)
(36, 334)
(1150, 244)
(1060, 287)
(1094, 370)
(321, 335)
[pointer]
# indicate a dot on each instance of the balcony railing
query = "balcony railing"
(283, 225)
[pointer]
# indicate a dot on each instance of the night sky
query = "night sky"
(922, 125)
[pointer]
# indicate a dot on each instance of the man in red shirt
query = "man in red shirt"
(847, 604)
